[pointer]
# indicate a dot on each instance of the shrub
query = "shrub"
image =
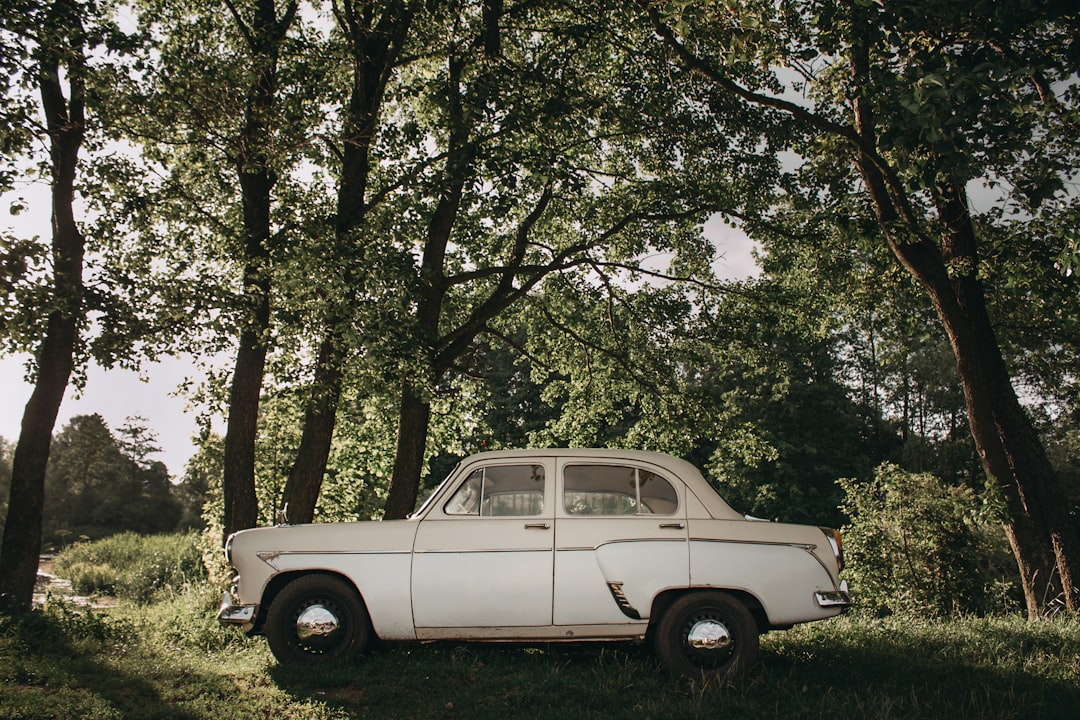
(916, 544)
(132, 566)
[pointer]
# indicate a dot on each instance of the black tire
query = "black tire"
(317, 618)
(707, 634)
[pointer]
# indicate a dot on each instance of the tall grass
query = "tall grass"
(131, 566)
(169, 659)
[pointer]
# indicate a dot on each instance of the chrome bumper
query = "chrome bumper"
(235, 614)
(834, 598)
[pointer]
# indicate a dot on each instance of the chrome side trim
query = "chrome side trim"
(591, 548)
(269, 556)
(482, 552)
(809, 547)
(278, 553)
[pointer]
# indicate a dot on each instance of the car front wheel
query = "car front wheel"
(317, 618)
(708, 634)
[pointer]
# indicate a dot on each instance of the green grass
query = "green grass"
(169, 659)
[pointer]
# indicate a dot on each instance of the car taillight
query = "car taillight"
(228, 549)
(837, 544)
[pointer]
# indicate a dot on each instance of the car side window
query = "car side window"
(500, 491)
(616, 490)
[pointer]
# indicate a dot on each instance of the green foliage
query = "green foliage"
(1063, 446)
(744, 386)
(915, 544)
(786, 427)
(186, 617)
(131, 566)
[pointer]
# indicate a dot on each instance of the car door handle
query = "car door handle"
(537, 526)
(671, 526)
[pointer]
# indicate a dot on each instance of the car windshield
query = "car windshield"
(419, 511)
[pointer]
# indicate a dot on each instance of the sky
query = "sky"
(153, 393)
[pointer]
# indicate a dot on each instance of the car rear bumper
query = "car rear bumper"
(834, 598)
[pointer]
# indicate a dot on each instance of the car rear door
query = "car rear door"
(620, 538)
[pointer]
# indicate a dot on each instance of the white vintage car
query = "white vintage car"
(542, 545)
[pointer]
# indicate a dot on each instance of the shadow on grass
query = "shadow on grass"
(901, 668)
(846, 669)
(66, 663)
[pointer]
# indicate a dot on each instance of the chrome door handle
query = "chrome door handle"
(537, 526)
(672, 526)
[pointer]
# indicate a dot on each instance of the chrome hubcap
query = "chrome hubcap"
(708, 635)
(316, 623)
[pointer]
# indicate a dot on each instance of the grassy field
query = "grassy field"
(169, 659)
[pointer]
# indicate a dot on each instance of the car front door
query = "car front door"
(483, 558)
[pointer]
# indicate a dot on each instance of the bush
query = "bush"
(916, 544)
(132, 566)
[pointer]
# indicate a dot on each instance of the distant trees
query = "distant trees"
(6, 451)
(100, 482)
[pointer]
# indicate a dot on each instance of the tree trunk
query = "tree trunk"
(238, 477)
(306, 476)
(66, 126)
(1043, 539)
(257, 179)
(413, 417)
(22, 532)
(375, 43)
(238, 481)
(1012, 456)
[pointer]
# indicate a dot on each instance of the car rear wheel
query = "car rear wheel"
(317, 618)
(710, 634)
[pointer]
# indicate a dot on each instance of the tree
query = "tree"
(157, 509)
(890, 350)
(226, 129)
(464, 162)
(374, 36)
(785, 426)
(49, 49)
(549, 168)
(911, 103)
(263, 36)
(199, 490)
